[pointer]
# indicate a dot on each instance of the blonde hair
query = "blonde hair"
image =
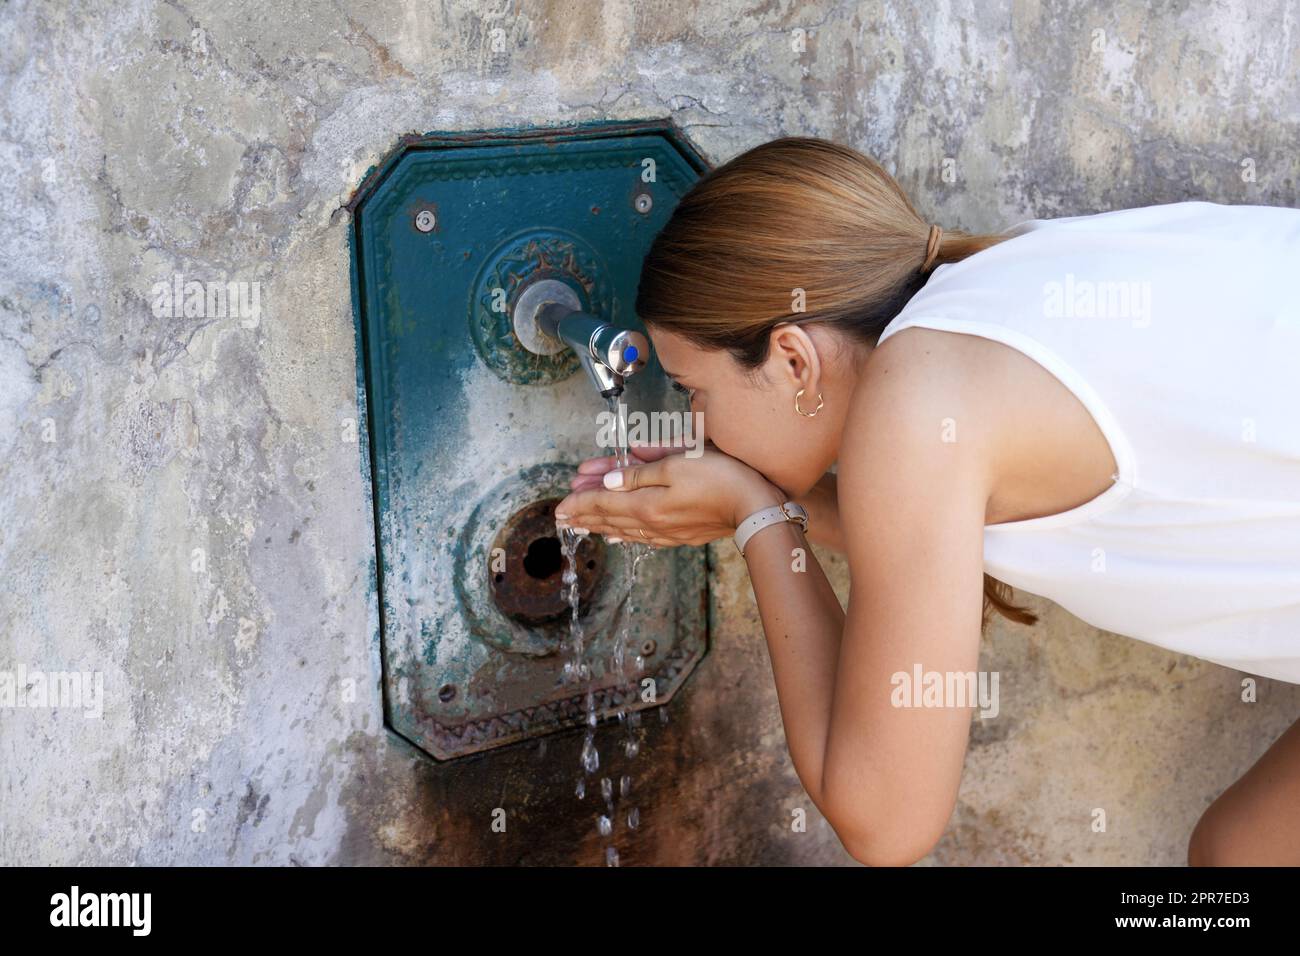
(795, 213)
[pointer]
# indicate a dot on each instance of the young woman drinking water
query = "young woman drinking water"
(1103, 410)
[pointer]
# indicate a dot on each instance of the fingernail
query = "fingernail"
(560, 516)
(614, 540)
(613, 479)
(580, 531)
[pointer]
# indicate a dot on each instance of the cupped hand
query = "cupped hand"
(673, 498)
(591, 473)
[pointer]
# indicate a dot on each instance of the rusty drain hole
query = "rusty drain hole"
(526, 581)
(543, 559)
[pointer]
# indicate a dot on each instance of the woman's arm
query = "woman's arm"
(885, 777)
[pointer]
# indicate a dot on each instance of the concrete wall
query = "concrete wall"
(180, 514)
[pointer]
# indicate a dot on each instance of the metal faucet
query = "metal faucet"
(608, 353)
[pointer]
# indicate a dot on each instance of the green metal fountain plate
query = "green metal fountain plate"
(468, 433)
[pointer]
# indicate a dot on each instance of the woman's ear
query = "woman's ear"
(793, 359)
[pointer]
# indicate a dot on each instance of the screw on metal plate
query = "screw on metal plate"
(643, 202)
(425, 220)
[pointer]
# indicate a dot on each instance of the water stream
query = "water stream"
(625, 684)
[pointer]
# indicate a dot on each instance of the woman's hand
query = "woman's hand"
(675, 500)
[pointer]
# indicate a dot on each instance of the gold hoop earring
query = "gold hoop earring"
(820, 403)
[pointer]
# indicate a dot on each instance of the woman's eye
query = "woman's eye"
(683, 389)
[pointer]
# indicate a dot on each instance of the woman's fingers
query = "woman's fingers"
(585, 509)
(591, 471)
(617, 529)
(634, 477)
(626, 528)
(597, 466)
(629, 528)
(603, 463)
(647, 452)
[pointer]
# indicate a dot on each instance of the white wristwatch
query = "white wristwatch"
(790, 511)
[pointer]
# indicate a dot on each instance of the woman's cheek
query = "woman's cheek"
(745, 438)
(750, 449)
(774, 455)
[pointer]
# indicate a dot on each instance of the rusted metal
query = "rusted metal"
(529, 586)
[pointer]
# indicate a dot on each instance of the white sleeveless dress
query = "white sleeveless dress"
(1178, 328)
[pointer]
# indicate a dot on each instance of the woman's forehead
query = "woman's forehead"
(676, 354)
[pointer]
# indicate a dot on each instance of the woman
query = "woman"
(1103, 410)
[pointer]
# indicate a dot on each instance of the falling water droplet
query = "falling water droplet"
(621, 694)
(633, 817)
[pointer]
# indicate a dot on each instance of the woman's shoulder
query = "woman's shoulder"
(921, 360)
(1019, 427)
(918, 440)
(940, 384)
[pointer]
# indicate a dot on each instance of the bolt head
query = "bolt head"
(425, 220)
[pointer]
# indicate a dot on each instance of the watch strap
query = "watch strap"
(766, 517)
